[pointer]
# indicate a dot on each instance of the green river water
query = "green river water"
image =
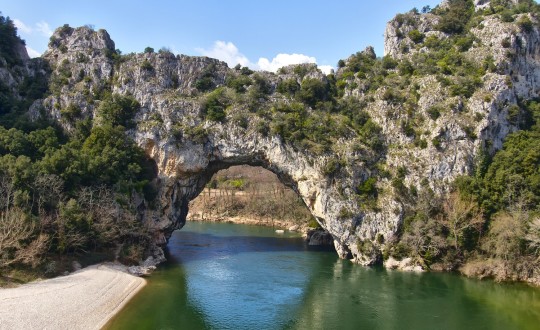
(225, 276)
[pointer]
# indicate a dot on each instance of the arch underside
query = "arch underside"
(186, 170)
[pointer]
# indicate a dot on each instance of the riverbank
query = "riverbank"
(86, 299)
(313, 236)
(241, 220)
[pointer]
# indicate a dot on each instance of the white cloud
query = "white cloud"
(41, 27)
(22, 27)
(227, 52)
(282, 60)
(326, 69)
(32, 53)
(44, 28)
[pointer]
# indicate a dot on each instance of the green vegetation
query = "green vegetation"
(416, 36)
(9, 41)
(206, 79)
(71, 195)
(147, 66)
(513, 173)
(489, 224)
(239, 83)
(326, 115)
(67, 195)
(214, 105)
(118, 110)
(455, 17)
(15, 101)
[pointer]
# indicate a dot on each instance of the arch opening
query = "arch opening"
(252, 194)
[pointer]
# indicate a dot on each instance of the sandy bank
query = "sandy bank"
(242, 220)
(86, 299)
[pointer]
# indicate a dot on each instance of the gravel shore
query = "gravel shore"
(86, 299)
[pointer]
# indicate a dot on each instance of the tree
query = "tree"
(463, 220)
(149, 50)
(425, 240)
(533, 236)
(9, 40)
(118, 110)
(505, 235)
(19, 241)
(288, 87)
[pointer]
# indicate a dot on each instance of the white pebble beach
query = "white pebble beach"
(86, 299)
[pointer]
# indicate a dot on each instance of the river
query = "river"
(226, 276)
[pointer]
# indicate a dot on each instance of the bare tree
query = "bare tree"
(533, 236)
(505, 234)
(461, 215)
(425, 239)
(48, 191)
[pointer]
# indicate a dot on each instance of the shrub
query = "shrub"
(146, 65)
(525, 24)
(407, 129)
(421, 143)
(312, 91)
(238, 83)
(434, 112)
(331, 166)
(214, 105)
(436, 142)
(204, 84)
(206, 78)
(368, 188)
(455, 16)
(71, 112)
(506, 16)
(389, 63)
(288, 87)
(416, 36)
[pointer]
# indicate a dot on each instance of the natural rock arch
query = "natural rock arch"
(187, 170)
(188, 146)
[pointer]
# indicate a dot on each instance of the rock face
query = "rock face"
(319, 238)
(188, 149)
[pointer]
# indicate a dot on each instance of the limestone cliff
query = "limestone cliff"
(434, 138)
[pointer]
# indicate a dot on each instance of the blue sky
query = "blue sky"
(260, 34)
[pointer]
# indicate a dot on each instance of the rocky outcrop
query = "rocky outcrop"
(188, 148)
(319, 237)
(406, 264)
(484, 116)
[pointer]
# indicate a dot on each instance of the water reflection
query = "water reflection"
(379, 299)
(223, 276)
(249, 281)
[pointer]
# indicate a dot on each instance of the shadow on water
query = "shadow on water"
(187, 246)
